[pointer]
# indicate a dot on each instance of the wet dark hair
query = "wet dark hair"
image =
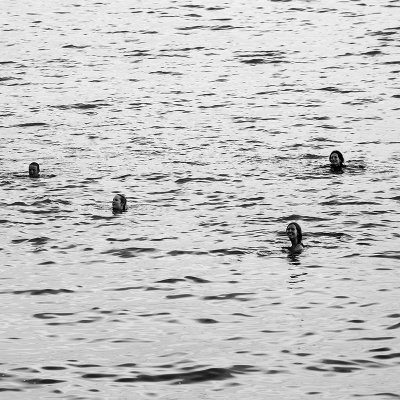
(123, 201)
(35, 164)
(340, 155)
(299, 232)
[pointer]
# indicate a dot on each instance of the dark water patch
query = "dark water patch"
(395, 326)
(73, 46)
(148, 32)
(384, 394)
(123, 289)
(155, 176)
(39, 212)
(118, 240)
(149, 288)
(338, 90)
(2, 389)
(214, 106)
(206, 321)
(182, 378)
(228, 252)
(337, 362)
(126, 365)
(262, 57)
(6, 78)
(395, 255)
(298, 217)
(154, 314)
(192, 28)
(223, 27)
(30, 124)
(197, 280)
(102, 217)
(4, 375)
(39, 292)
(161, 72)
(185, 252)
(84, 365)
(121, 176)
(192, 6)
(82, 106)
(53, 368)
(50, 315)
(391, 63)
(18, 241)
(346, 203)
(380, 349)
(372, 53)
(82, 321)
(178, 296)
(229, 296)
(387, 356)
(39, 240)
(204, 179)
(43, 381)
(239, 314)
(171, 280)
(98, 376)
(373, 339)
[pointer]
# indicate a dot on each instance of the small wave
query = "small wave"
(197, 280)
(205, 179)
(229, 296)
(130, 251)
(182, 378)
(183, 252)
(73, 46)
(41, 381)
(82, 106)
(30, 124)
(387, 254)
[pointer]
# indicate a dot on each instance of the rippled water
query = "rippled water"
(216, 120)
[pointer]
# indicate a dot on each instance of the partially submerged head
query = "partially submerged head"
(34, 170)
(336, 159)
(294, 233)
(119, 202)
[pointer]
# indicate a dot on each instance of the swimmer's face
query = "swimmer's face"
(116, 203)
(291, 231)
(33, 171)
(335, 160)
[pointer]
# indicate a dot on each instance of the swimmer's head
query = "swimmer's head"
(119, 202)
(34, 170)
(336, 158)
(294, 232)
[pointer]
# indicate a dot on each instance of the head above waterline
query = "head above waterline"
(294, 233)
(34, 170)
(336, 159)
(119, 203)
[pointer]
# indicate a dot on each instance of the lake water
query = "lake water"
(216, 120)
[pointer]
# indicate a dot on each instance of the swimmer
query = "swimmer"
(34, 170)
(119, 203)
(295, 235)
(336, 159)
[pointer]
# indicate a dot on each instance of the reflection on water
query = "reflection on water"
(217, 122)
